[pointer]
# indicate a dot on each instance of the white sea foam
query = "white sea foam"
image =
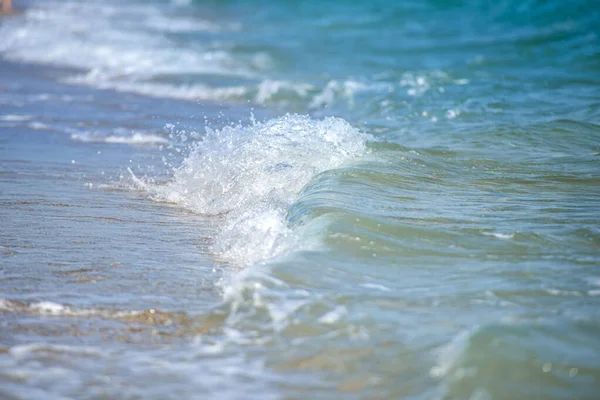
(376, 286)
(125, 48)
(334, 315)
(264, 92)
(269, 89)
(251, 175)
(559, 292)
(15, 118)
(33, 350)
(100, 79)
(418, 84)
(164, 23)
(64, 371)
(122, 46)
(504, 236)
(594, 280)
(346, 90)
(450, 355)
(135, 138)
(51, 308)
(38, 126)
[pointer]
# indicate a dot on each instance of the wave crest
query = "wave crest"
(251, 175)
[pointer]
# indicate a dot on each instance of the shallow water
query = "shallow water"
(425, 227)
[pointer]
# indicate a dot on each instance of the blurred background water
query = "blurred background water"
(260, 199)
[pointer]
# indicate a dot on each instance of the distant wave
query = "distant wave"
(118, 43)
(129, 48)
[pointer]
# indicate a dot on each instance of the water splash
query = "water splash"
(248, 177)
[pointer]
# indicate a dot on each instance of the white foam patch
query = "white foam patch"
(376, 286)
(49, 308)
(504, 236)
(101, 80)
(59, 310)
(335, 90)
(417, 84)
(450, 355)
(164, 23)
(334, 315)
(60, 372)
(121, 45)
(251, 175)
(594, 280)
(264, 92)
(15, 118)
(38, 126)
(559, 292)
(134, 139)
(34, 349)
(269, 89)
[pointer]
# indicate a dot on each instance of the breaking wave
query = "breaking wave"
(249, 176)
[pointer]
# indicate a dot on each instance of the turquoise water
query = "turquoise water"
(237, 199)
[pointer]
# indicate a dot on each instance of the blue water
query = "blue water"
(241, 199)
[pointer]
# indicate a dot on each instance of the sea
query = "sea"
(300, 199)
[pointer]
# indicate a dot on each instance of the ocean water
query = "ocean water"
(300, 199)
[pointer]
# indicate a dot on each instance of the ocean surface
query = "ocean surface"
(300, 199)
